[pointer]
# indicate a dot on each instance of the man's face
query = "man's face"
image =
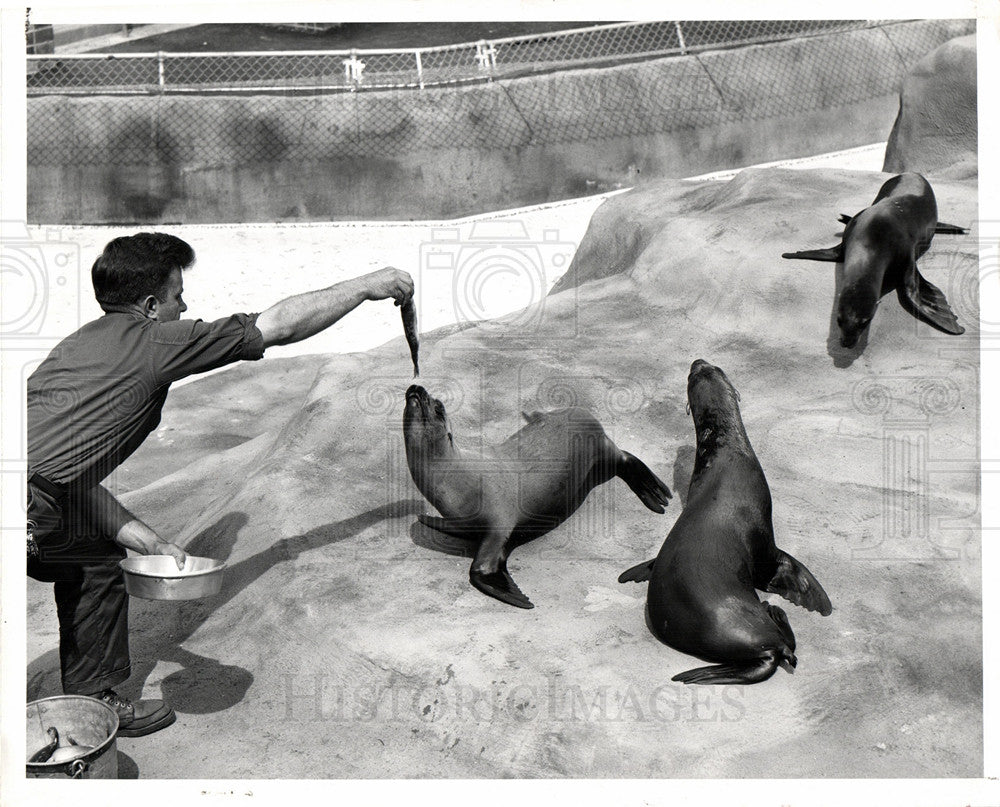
(170, 308)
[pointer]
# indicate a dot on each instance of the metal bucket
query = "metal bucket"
(89, 722)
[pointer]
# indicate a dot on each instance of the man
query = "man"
(94, 400)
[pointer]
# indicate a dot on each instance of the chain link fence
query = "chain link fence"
(706, 86)
(352, 70)
(557, 116)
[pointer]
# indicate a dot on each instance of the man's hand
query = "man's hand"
(105, 512)
(389, 282)
(139, 537)
(167, 548)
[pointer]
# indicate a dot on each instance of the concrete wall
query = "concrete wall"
(936, 130)
(456, 151)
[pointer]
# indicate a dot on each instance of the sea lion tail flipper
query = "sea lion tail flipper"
(451, 526)
(650, 489)
(950, 229)
(489, 572)
(500, 585)
(833, 254)
(928, 302)
(638, 574)
(749, 673)
(793, 581)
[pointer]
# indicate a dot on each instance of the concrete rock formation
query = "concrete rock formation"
(347, 643)
(936, 129)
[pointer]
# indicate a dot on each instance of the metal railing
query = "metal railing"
(353, 70)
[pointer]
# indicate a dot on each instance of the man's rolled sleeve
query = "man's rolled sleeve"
(187, 347)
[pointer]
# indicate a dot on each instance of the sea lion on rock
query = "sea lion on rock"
(518, 490)
(701, 598)
(879, 250)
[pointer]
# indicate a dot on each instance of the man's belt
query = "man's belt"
(43, 484)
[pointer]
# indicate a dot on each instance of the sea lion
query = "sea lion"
(879, 250)
(408, 311)
(701, 598)
(516, 491)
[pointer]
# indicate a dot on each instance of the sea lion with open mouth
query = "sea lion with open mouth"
(702, 597)
(879, 250)
(519, 490)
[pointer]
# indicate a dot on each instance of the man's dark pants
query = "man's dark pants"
(89, 590)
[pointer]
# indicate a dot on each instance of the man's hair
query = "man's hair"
(135, 266)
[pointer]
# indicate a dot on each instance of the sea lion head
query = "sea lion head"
(710, 393)
(854, 312)
(426, 428)
(713, 404)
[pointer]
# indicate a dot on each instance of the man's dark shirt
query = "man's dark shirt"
(99, 393)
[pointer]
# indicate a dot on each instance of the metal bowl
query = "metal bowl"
(156, 577)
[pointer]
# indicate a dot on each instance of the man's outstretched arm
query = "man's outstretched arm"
(299, 317)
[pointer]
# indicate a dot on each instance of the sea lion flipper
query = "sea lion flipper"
(450, 526)
(750, 673)
(780, 619)
(950, 229)
(500, 585)
(928, 301)
(650, 489)
(489, 572)
(638, 574)
(793, 581)
(833, 254)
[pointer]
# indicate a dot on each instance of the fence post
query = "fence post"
(420, 71)
(353, 68)
(486, 56)
(680, 38)
(159, 70)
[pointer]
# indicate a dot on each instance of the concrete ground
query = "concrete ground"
(347, 643)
